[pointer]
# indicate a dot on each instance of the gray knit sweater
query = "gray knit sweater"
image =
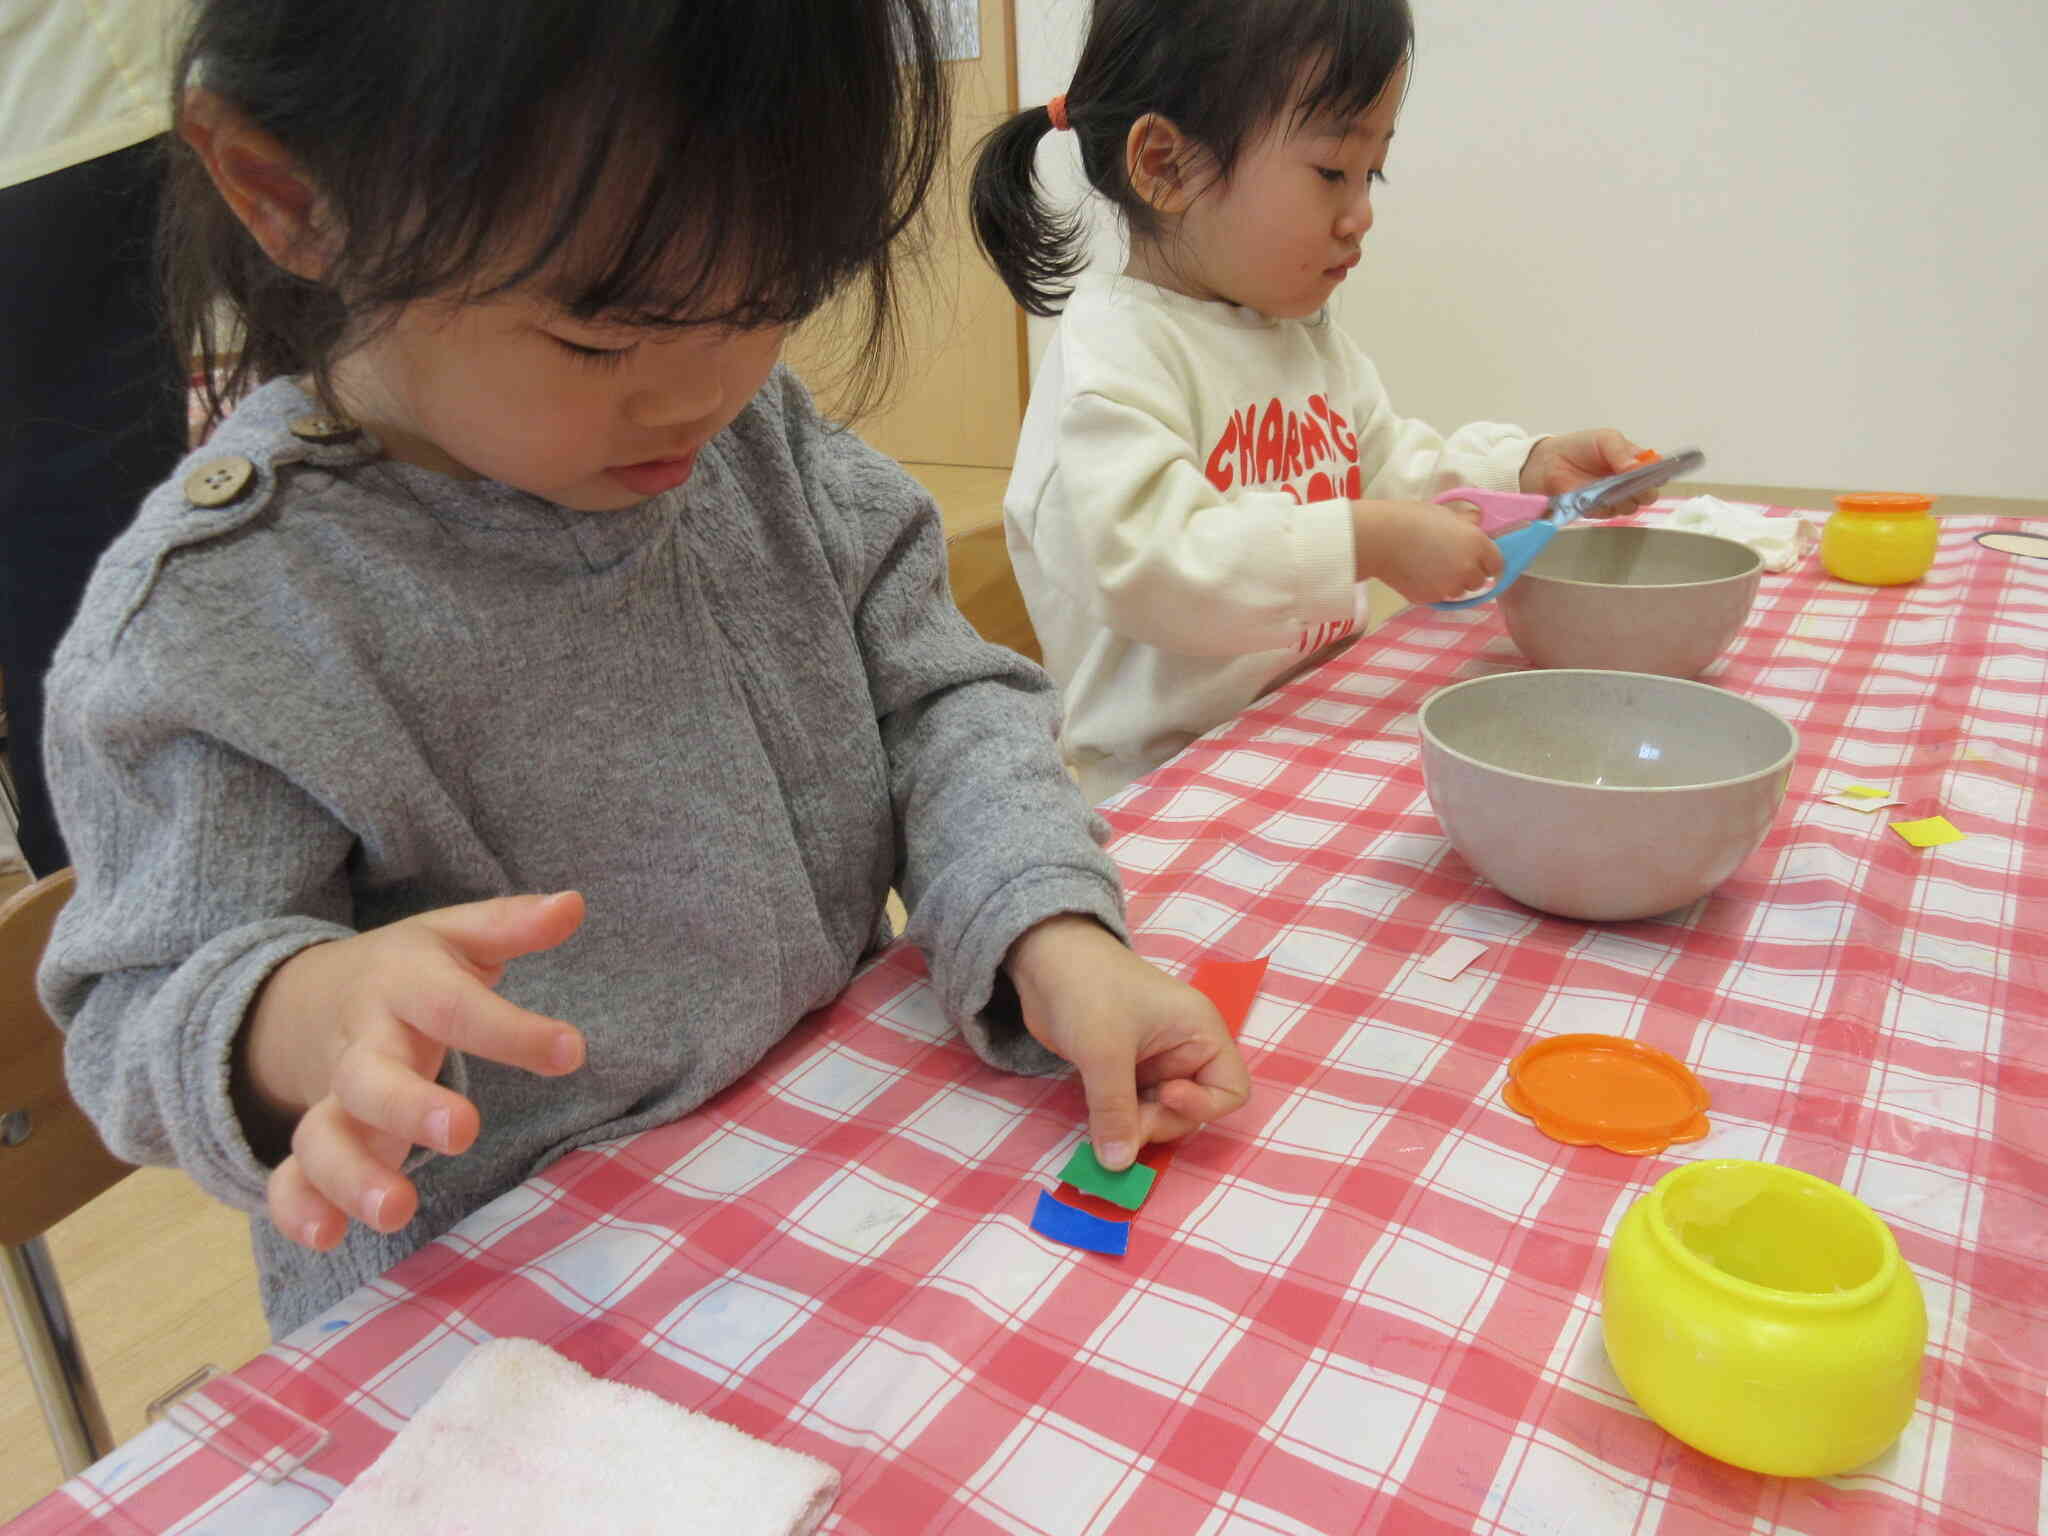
(731, 717)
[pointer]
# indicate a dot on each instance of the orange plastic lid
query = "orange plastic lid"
(1607, 1091)
(1884, 501)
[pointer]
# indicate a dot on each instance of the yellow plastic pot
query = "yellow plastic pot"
(1764, 1316)
(1880, 540)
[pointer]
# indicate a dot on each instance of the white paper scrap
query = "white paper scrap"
(1455, 955)
(1858, 803)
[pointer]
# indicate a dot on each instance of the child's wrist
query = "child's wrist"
(268, 1098)
(1375, 526)
(1045, 951)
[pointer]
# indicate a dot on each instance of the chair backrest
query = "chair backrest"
(51, 1159)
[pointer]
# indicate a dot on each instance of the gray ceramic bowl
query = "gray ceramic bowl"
(1649, 599)
(1603, 795)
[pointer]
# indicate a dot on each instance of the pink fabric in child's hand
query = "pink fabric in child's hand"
(520, 1439)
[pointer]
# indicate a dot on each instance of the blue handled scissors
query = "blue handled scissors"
(1535, 520)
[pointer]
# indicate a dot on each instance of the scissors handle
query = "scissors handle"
(1517, 549)
(1498, 510)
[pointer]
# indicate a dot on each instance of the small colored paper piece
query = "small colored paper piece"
(1930, 833)
(1849, 802)
(1861, 792)
(1085, 1172)
(1077, 1229)
(1233, 986)
(1452, 958)
(1158, 1156)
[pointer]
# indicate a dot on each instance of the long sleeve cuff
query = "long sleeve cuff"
(967, 971)
(198, 1014)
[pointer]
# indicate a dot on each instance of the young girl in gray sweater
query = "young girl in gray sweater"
(512, 720)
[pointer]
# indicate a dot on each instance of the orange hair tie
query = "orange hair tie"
(1056, 109)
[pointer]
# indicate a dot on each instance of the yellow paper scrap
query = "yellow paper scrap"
(1862, 792)
(1931, 833)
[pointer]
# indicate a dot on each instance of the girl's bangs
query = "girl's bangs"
(644, 162)
(713, 179)
(1349, 56)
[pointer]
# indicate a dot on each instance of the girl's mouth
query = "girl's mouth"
(653, 476)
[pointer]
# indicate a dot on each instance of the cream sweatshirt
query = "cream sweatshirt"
(1180, 511)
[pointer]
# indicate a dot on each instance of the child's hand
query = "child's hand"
(1426, 552)
(1154, 1057)
(344, 1041)
(1559, 464)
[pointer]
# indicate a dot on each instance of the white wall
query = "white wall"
(1809, 236)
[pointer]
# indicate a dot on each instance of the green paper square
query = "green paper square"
(1127, 1189)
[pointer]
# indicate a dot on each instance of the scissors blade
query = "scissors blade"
(1595, 494)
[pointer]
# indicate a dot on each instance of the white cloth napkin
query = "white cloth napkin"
(1782, 541)
(520, 1439)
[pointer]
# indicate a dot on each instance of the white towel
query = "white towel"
(1782, 541)
(518, 1439)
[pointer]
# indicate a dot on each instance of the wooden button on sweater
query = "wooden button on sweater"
(220, 482)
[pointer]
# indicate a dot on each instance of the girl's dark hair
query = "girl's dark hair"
(1221, 70)
(658, 162)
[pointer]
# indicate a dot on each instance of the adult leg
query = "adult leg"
(92, 418)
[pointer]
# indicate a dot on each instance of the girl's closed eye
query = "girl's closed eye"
(596, 357)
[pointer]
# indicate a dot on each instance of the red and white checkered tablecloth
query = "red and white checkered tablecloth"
(1369, 1302)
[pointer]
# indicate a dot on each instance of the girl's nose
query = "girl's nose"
(1356, 218)
(690, 396)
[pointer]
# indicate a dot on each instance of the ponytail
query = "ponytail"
(1035, 249)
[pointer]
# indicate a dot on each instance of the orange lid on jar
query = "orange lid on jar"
(1884, 501)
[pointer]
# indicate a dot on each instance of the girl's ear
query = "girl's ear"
(1159, 162)
(260, 182)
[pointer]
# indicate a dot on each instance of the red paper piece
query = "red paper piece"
(1232, 985)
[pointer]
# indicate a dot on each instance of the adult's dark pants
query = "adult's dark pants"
(92, 418)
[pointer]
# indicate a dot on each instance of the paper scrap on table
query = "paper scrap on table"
(1862, 792)
(1078, 1229)
(1127, 1188)
(1929, 833)
(520, 1439)
(1451, 958)
(1158, 1156)
(1851, 802)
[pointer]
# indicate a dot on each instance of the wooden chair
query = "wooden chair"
(51, 1164)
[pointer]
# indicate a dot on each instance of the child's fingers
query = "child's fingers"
(336, 1156)
(386, 1093)
(488, 933)
(1110, 1084)
(466, 1015)
(300, 1211)
(1197, 1102)
(1621, 453)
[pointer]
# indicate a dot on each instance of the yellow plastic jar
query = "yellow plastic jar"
(1764, 1316)
(1879, 540)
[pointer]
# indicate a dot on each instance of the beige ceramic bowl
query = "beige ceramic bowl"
(1603, 795)
(1649, 599)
